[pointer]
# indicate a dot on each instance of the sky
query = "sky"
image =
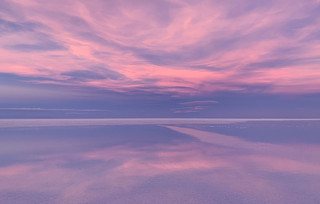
(190, 58)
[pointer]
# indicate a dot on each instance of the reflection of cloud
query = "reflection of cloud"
(219, 167)
(14, 170)
(285, 165)
(273, 156)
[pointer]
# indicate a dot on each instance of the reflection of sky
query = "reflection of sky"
(278, 131)
(160, 164)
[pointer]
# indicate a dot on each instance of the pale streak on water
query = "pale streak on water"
(159, 160)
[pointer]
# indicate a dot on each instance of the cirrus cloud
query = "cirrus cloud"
(184, 47)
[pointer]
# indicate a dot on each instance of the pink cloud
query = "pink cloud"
(204, 46)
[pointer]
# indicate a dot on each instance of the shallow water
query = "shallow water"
(159, 161)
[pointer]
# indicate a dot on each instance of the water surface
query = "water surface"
(159, 161)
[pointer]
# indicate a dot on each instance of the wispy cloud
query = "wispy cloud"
(184, 47)
(132, 121)
(199, 102)
(50, 109)
(189, 109)
(194, 106)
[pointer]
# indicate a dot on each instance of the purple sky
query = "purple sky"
(207, 58)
